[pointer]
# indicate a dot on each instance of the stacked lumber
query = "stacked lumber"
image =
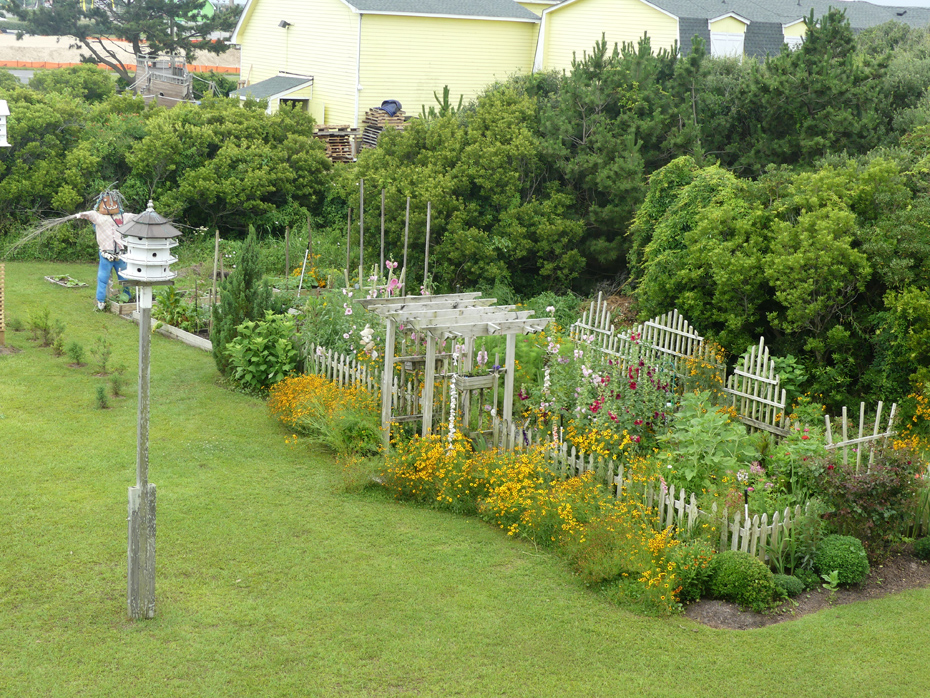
(338, 141)
(375, 121)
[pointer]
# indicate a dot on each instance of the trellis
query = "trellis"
(460, 317)
(863, 439)
(756, 393)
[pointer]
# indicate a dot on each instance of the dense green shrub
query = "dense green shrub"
(922, 549)
(844, 554)
(263, 353)
(739, 577)
(789, 584)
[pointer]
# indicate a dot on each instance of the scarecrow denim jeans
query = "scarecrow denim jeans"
(103, 275)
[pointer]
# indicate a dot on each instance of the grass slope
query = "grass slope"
(272, 582)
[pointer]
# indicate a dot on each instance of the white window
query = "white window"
(794, 42)
(724, 45)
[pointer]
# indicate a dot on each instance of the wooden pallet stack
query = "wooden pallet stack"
(375, 121)
(338, 141)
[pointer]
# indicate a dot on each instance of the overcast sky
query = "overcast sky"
(900, 3)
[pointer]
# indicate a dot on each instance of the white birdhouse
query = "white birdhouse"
(148, 240)
(4, 112)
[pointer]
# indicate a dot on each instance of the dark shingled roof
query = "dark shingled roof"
(498, 9)
(271, 87)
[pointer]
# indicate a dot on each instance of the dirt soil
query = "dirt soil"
(56, 49)
(895, 575)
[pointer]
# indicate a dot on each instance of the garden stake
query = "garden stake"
(310, 244)
(302, 269)
(216, 260)
(348, 246)
(429, 210)
(287, 258)
(382, 232)
(361, 233)
(406, 234)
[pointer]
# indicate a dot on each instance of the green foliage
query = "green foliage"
(85, 82)
(693, 560)
(788, 584)
(8, 81)
(263, 352)
(101, 400)
(843, 554)
(874, 504)
(172, 307)
(45, 330)
(703, 444)
(808, 577)
(75, 352)
(922, 549)
(795, 549)
(117, 385)
(102, 351)
(741, 578)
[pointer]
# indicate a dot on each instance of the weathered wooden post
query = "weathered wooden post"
(149, 239)
(361, 233)
(429, 212)
(2, 317)
(381, 265)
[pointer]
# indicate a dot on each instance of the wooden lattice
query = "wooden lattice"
(667, 338)
(862, 441)
(756, 392)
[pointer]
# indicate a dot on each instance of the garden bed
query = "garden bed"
(66, 281)
(897, 574)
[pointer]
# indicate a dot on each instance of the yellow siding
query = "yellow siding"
(577, 26)
(321, 42)
(410, 58)
(728, 25)
(797, 29)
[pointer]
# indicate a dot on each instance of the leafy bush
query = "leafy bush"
(873, 506)
(788, 584)
(704, 444)
(693, 568)
(922, 549)
(263, 353)
(739, 577)
(75, 352)
(172, 308)
(844, 554)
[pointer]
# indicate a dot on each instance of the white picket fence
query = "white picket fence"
(862, 442)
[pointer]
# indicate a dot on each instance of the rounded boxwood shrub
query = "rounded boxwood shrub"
(789, 584)
(844, 554)
(922, 549)
(739, 577)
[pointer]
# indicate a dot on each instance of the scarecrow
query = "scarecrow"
(106, 217)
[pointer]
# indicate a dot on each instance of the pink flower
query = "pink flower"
(637, 422)
(632, 385)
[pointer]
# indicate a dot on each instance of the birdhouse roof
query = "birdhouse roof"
(149, 224)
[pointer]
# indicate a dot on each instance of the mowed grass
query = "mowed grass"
(272, 581)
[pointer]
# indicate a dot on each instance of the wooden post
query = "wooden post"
(510, 356)
(429, 210)
(406, 234)
(361, 233)
(2, 316)
(310, 244)
(287, 257)
(428, 378)
(381, 267)
(216, 262)
(387, 382)
(349, 246)
(141, 548)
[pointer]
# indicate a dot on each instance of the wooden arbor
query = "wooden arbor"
(459, 316)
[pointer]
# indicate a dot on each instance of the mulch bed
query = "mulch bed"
(896, 574)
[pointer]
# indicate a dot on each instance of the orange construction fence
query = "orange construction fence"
(30, 65)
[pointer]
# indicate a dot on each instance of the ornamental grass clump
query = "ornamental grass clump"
(345, 419)
(842, 554)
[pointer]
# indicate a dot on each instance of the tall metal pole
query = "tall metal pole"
(429, 211)
(381, 266)
(406, 237)
(361, 233)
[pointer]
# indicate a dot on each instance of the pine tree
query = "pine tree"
(244, 296)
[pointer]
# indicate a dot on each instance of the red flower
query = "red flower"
(637, 422)
(805, 436)
(632, 385)
(829, 467)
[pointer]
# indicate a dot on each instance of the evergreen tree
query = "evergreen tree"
(244, 296)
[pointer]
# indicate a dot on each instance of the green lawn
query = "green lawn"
(272, 581)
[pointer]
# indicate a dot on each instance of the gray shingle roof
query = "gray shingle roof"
(271, 87)
(861, 14)
(502, 9)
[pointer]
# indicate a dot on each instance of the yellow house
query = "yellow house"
(340, 58)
